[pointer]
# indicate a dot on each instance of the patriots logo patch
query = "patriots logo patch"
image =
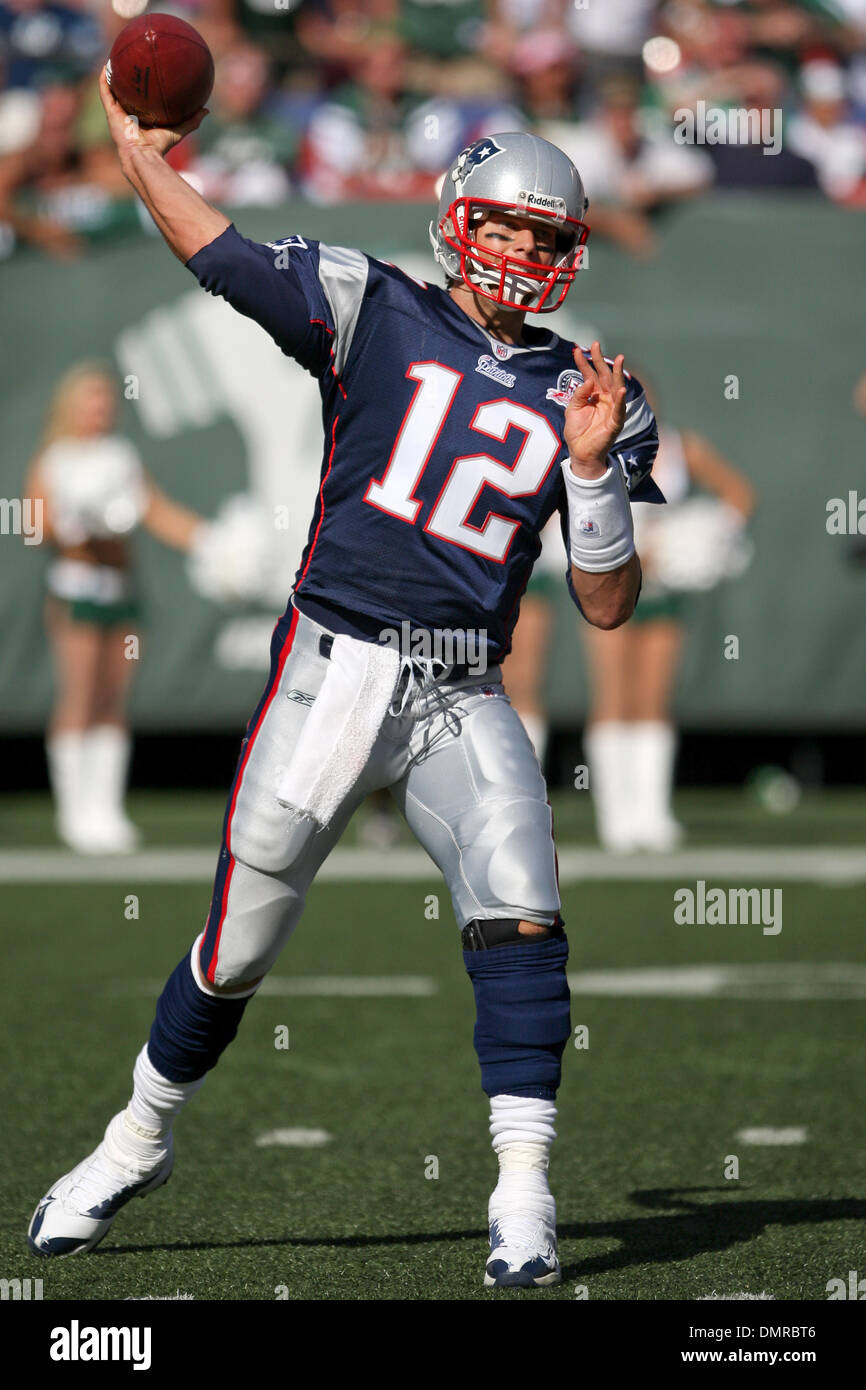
(473, 156)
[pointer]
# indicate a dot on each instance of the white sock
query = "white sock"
(537, 728)
(522, 1131)
(108, 752)
(67, 772)
(156, 1102)
(653, 753)
(609, 757)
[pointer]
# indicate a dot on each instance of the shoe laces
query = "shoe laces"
(102, 1178)
(523, 1232)
(104, 1175)
(526, 1222)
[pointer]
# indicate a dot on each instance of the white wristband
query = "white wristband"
(601, 533)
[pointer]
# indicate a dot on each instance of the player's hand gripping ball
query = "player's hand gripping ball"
(160, 70)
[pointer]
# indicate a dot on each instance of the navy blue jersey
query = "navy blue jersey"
(442, 445)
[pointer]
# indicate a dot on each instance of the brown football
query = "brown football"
(160, 69)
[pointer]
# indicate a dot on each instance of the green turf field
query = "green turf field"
(650, 1111)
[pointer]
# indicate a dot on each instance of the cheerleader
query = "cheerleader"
(693, 543)
(95, 493)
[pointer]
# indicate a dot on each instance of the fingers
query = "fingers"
(604, 373)
(114, 112)
(192, 123)
(585, 368)
(587, 393)
(109, 100)
(599, 372)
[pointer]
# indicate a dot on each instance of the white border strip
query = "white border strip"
(739, 864)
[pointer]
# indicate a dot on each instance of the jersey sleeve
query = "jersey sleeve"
(307, 296)
(636, 445)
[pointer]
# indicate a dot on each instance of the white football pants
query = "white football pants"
(457, 761)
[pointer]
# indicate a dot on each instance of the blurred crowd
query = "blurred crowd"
(333, 100)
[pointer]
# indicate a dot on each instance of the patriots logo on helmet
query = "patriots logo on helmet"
(566, 384)
(473, 156)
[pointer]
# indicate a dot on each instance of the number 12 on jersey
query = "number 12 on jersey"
(420, 429)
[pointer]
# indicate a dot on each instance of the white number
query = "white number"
(472, 472)
(418, 433)
(417, 437)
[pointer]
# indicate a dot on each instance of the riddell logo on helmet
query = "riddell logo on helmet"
(542, 202)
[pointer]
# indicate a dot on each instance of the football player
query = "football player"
(453, 430)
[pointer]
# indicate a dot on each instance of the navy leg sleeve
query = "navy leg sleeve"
(191, 1029)
(523, 1018)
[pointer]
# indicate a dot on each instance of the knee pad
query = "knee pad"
(522, 1005)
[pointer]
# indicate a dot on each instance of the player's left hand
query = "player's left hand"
(596, 412)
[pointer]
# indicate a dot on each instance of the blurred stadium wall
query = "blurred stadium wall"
(769, 290)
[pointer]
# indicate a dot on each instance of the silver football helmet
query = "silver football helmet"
(526, 177)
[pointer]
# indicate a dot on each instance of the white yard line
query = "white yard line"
(293, 1139)
(794, 1134)
(739, 864)
(316, 986)
(786, 980)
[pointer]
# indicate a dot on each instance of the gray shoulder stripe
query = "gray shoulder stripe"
(638, 417)
(343, 277)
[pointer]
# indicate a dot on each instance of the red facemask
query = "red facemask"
(506, 279)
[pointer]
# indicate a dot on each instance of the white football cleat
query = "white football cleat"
(522, 1253)
(77, 1211)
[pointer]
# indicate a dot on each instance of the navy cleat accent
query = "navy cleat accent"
(76, 1213)
(522, 1254)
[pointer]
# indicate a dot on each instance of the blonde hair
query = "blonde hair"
(61, 407)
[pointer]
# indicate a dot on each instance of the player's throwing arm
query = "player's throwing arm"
(185, 219)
